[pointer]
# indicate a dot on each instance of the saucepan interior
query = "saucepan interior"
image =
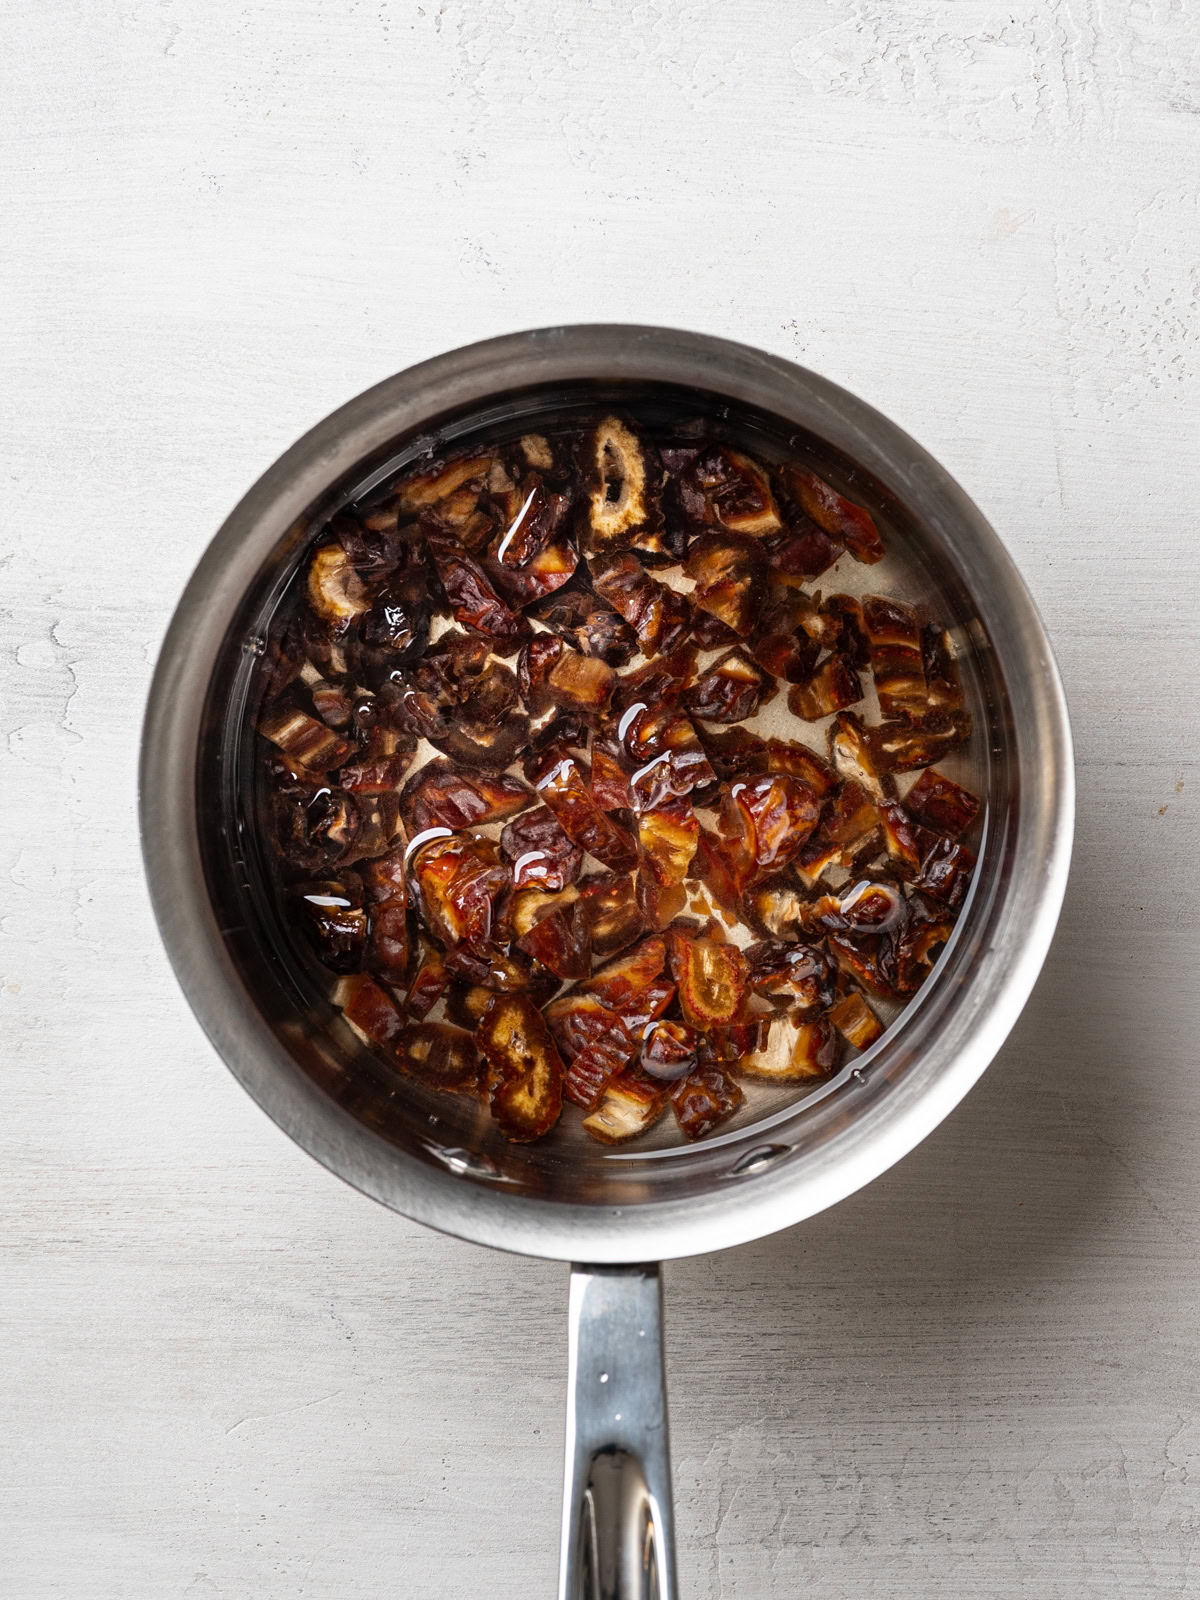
(437, 1157)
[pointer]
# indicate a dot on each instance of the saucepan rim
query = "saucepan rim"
(671, 1226)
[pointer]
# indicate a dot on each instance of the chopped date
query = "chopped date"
(730, 571)
(660, 617)
(610, 903)
(444, 794)
(561, 941)
(386, 892)
(443, 1056)
(667, 835)
(770, 818)
(524, 1069)
(833, 686)
(795, 1050)
(800, 976)
(629, 1105)
(513, 606)
(562, 784)
(470, 594)
(704, 1099)
(711, 978)
(855, 1021)
(332, 914)
(541, 854)
(733, 688)
(894, 636)
(941, 804)
(623, 483)
(585, 622)
(853, 525)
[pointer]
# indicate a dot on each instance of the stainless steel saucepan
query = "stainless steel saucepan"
(437, 1159)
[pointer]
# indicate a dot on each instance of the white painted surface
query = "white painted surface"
(226, 1375)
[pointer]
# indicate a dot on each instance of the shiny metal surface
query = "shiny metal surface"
(618, 1529)
(577, 1204)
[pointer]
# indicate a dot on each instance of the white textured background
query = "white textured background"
(224, 1374)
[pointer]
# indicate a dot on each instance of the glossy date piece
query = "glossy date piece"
(610, 903)
(867, 960)
(852, 752)
(901, 836)
(314, 825)
(381, 767)
(667, 837)
(897, 666)
(724, 869)
(618, 984)
(562, 785)
(565, 731)
(371, 1012)
(711, 979)
(436, 483)
(459, 879)
(796, 1050)
(733, 688)
(442, 1056)
(724, 1046)
(917, 946)
(946, 869)
(868, 907)
(542, 856)
(800, 976)
(533, 517)
(851, 820)
(580, 683)
(832, 687)
(597, 1064)
(943, 691)
(730, 574)
(469, 592)
(622, 480)
(332, 915)
(590, 626)
(334, 590)
(672, 760)
(777, 908)
(525, 1071)
(770, 818)
(941, 804)
(630, 1105)
(386, 895)
(305, 740)
(903, 747)
(802, 552)
(781, 647)
(429, 985)
(396, 628)
(668, 1051)
(658, 684)
(704, 1100)
(610, 776)
(561, 942)
(444, 794)
(736, 490)
(543, 575)
(658, 616)
(855, 1021)
(840, 518)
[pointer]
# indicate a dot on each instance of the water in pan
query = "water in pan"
(902, 574)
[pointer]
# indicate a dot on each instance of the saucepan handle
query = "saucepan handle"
(618, 1527)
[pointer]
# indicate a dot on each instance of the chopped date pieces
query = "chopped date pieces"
(703, 1100)
(532, 796)
(941, 804)
(524, 1069)
(542, 856)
